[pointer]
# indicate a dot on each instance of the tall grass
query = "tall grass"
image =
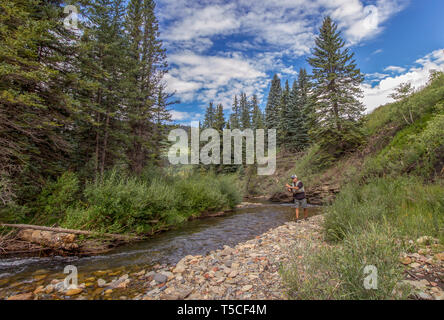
(368, 225)
(339, 272)
(414, 208)
(391, 199)
(156, 200)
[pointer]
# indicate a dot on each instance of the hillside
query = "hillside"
(386, 206)
(403, 138)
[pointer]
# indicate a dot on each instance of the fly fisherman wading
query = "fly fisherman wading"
(300, 201)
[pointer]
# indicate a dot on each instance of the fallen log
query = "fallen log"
(73, 231)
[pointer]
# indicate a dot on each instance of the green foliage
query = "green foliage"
(338, 272)
(209, 116)
(409, 205)
(119, 203)
(297, 118)
(235, 115)
(272, 110)
(56, 197)
(35, 78)
(219, 119)
(337, 109)
(413, 150)
(416, 106)
(257, 118)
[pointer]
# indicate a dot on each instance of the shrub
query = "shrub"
(56, 197)
(119, 203)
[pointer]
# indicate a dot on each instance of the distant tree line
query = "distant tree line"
(322, 108)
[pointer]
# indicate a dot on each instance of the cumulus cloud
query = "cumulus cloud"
(217, 48)
(395, 69)
(182, 116)
(212, 78)
(417, 75)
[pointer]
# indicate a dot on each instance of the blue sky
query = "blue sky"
(217, 48)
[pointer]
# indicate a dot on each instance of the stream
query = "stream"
(197, 237)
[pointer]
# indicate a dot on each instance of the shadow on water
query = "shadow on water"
(197, 237)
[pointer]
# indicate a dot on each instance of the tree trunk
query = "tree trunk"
(73, 231)
(105, 142)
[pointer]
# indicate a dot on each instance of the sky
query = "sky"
(218, 48)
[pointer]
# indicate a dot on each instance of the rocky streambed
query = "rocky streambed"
(248, 270)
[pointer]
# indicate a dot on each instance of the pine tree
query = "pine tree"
(284, 109)
(272, 111)
(36, 78)
(102, 88)
(297, 134)
(235, 115)
(245, 112)
(304, 109)
(257, 119)
(219, 119)
(337, 110)
(148, 66)
(209, 116)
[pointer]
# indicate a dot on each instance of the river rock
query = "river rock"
(439, 256)
(179, 269)
(232, 274)
(247, 287)
(73, 292)
(160, 278)
(405, 260)
(39, 289)
(425, 240)
(101, 283)
(23, 296)
(49, 289)
(424, 296)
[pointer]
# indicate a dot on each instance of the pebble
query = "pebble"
(160, 278)
(73, 292)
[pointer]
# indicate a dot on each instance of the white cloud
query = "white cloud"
(182, 116)
(377, 76)
(212, 78)
(201, 35)
(417, 76)
(289, 24)
(395, 69)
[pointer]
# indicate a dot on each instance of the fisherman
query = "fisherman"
(300, 201)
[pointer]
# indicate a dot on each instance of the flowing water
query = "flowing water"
(197, 237)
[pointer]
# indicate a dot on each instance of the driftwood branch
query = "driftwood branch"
(63, 230)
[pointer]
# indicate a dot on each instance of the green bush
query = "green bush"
(56, 197)
(143, 204)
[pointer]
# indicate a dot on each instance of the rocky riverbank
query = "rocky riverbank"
(249, 270)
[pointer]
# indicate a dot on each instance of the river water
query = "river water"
(197, 237)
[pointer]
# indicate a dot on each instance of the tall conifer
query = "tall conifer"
(337, 109)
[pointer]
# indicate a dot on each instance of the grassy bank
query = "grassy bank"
(119, 203)
(368, 225)
(392, 193)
